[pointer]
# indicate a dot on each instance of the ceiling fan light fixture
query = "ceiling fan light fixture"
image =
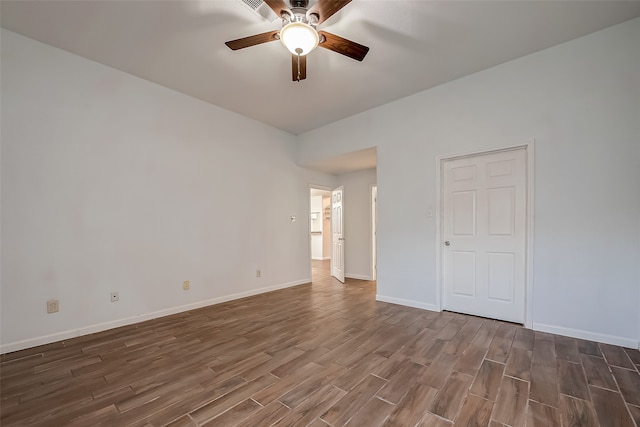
(299, 38)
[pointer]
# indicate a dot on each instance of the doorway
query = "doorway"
(485, 208)
(320, 232)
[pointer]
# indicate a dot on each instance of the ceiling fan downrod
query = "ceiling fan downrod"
(298, 51)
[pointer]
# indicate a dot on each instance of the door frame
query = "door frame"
(529, 148)
(323, 188)
(374, 230)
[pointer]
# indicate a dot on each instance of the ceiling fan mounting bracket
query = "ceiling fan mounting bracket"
(299, 4)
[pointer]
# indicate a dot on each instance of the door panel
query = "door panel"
(501, 211)
(464, 213)
(484, 223)
(464, 173)
(464, 267)
(500, 168)
(501, 276)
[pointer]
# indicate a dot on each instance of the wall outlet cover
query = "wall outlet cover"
(53, 306)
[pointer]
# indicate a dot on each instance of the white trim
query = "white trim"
(528, 305)
(586, 335)
(343, 259)
(439, 214)
(373, 219)
(91, 329)
(558, 330)
(357, 276)
(529, 148)
(406, 302)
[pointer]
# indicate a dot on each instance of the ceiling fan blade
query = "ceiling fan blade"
(343, 46)
(326, 8)
(253, 40)
(278, 7)
(294, 68)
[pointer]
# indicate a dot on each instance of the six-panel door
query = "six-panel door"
(484, 234)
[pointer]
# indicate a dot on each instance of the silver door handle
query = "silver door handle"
(340, 238)
(447, 243)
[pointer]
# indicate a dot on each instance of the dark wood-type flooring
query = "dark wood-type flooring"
(319, 355)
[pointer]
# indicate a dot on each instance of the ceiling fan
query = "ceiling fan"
(299, 33)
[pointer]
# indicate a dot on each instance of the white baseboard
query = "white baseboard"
(586, 335)
(64, 335)
(407, 302)
(91, 329)
(558, 330)
(357, 276)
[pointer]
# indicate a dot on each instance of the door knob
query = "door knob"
(447, 243)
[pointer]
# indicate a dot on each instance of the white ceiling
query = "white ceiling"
(318, 192)
(414, 45)
(348, 162)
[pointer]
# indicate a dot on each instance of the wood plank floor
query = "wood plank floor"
(325, 354)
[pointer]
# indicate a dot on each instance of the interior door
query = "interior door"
(337, 234)
(484, 247)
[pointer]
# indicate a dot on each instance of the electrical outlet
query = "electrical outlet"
(53, 306)
(258, 273)
(185, 285)
(115, 297)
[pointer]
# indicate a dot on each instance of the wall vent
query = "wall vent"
(262, 9)
(253, 4)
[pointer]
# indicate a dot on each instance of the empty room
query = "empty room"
(320, 212)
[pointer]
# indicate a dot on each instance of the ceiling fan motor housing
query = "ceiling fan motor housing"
(298, 13)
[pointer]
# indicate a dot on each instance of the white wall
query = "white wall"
(357, 222)
(112, 183)
(580, 101)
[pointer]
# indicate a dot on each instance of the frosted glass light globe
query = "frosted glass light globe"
(298, 35)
